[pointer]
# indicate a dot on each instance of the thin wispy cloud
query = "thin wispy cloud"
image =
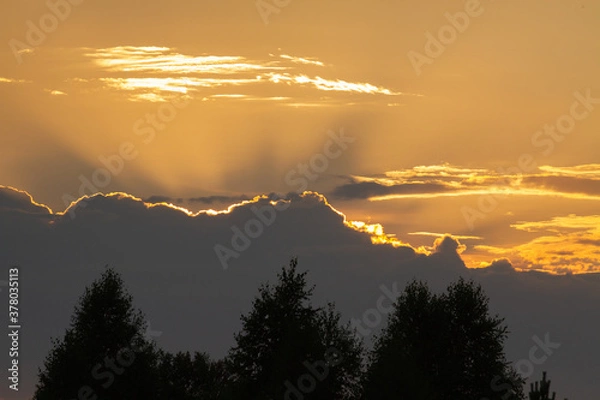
(179, 85)
(331, 85)
(166, 60)
(587, 170)
(158, 73)
(562, 223)
(580, 182)
(441, 235)
(11, 80)
(301, 60)
(54, 92)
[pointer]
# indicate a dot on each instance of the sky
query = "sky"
(408, 126)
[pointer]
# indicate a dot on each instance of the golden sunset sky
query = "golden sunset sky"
(476, 119)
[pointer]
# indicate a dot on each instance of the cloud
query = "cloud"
(206, 200)
(441, 235)
(15, 200)
(366, 190)
(445, 180)
(448, 245)
(587, 170)
(563, 244)
(565, 184)
(13, 81)
(163, 199)
(499, 265)
(167, 60)
(166, 255)
(54, 92)
(588, 223)
(330, 85)
(156, 74)
(218, 199)
(301, 60)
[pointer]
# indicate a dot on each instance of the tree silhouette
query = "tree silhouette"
(184, 377)
(541, 390)
(441, 347)
(435, 347)
(287, 349)
(104, 354)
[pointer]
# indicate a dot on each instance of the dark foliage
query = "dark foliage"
(541, 390)
(442, 347)
(104, 352)
(187, 377)
(289, 348)
(435, 347)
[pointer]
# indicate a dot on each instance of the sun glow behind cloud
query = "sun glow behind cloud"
(580, 182)
(566, 244)
(496, 191)
(587, 171)
(441, 235)
(558, 245)
(374, 231)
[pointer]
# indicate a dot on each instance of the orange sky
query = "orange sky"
(492, 136)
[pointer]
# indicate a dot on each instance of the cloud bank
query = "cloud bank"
(167, 259)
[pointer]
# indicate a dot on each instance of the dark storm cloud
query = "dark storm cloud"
(218, 199)
(163, 199)
(167, 259)
(19, 201)
(207, 200)
(365, 190)
(501, 265)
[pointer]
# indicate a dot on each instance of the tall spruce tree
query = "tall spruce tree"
(288, 349)
(105, 353)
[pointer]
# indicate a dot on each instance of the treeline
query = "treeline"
(434, 347)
